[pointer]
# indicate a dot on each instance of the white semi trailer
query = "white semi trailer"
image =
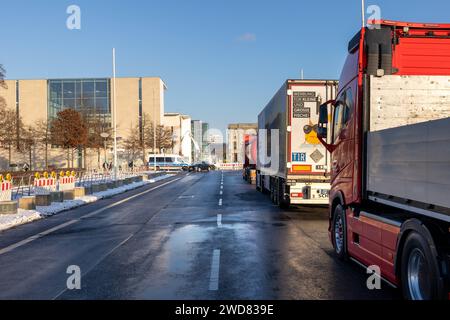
(293, 166)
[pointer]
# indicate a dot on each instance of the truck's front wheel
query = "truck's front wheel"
(419, 270)
(339, 232)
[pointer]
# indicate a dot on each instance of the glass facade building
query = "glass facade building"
(90, 96)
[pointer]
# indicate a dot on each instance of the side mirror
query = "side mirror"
(323, 114)
(323, 119)
(322, 131)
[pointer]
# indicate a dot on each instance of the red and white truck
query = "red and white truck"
(292, 164)
(389, 137)
(250, 149)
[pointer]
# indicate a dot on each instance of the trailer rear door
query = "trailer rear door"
(306, 155)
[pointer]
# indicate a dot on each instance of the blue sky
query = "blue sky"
(221, 60)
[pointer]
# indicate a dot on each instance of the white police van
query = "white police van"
(167, 162)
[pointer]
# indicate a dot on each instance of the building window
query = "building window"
(90, 96)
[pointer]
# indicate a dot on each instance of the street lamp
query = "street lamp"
(154, 130)
(114, 113)
(105, 136)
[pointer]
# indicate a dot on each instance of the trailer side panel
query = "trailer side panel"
(411, 162)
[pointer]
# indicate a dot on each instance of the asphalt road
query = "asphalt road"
(188, 237)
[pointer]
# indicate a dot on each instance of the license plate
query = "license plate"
(324, 193)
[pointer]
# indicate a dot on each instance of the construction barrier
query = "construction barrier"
(66, 183)
(6, 191)
(231, 166)
(44, 186)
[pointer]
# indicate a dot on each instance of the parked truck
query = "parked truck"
(292, 164)
(250, 149)
(389, 138)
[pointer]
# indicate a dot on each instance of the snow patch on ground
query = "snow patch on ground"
(26, 216)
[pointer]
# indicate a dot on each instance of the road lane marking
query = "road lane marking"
(59, 227)
(186, 197)
(221, 192)
(215, 268)
(68, 223)
(219, 220)
(221, 187)
(37, 236)
(220, 202)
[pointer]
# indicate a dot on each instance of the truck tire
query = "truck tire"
(258, 182)
(276, 191)
(420, 276)
(339, 233)
(283, 202)
(272, 191)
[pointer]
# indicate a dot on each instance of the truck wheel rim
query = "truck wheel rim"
(339, 234)
(418, 282)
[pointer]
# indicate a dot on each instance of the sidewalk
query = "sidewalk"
(26, 216)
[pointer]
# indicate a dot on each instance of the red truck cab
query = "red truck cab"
(360, 229)
(251, 150)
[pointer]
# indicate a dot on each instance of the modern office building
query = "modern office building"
(206, 156)
(180, 125)
(197, 138)
(200, 143)
(36, 100)
(236, 144)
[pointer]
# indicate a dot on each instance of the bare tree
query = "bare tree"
(96, 127)
(69, 131)
(141, 139)
(28, 139)
(10, 124)
(133, 144)
(163, 138)
(43, 137)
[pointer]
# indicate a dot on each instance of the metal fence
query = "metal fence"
(24, 185)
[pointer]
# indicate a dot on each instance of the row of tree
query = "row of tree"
(76, 131)
(145, 137)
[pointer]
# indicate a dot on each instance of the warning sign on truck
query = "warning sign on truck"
(298, 157)
(306, 96)
(299, 109)
(303, 113)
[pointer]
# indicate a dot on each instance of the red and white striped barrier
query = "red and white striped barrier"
(44, 185)
(231, 166)
(66, 183)
(6, 191)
